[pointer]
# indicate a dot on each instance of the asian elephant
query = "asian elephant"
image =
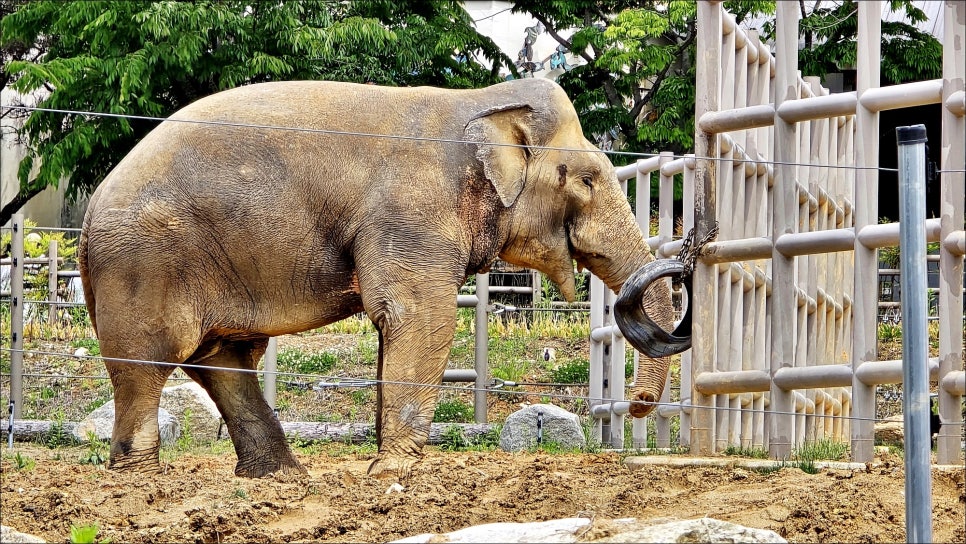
(280, 207)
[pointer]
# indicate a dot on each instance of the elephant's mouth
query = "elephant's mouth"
(638, 328)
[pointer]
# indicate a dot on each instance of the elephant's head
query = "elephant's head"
(564, 204)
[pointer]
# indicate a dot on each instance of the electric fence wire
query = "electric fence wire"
(432, 140)
(456, 388)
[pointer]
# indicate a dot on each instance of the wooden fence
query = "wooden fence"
(785, 300)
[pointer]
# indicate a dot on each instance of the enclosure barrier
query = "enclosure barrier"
(819, 317)
(784, 332)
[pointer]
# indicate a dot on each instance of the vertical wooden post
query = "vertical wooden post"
(707, 99)
(665, 230)
(596, 392)
(779, 419)
(865, 263)
(953, 161)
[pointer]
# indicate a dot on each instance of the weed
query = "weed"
(23, 462)
(239, 493)
(824, 449)
(57, 436)
(453, 410)
(185, 439)
(361, 397)
(890, 332)
(85, 534)
(92, 346)
(754, 453)
(572, 371)
(771, 469)
(95, 451)
(453, 439)
(299, 362)
(368, 348)
(512, 370)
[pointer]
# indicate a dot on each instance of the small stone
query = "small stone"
(395, 488)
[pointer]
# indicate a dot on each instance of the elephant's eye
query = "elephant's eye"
(588, 181)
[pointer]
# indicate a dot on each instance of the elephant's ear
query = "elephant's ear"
(502, 133)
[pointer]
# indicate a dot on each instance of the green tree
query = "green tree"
(637, 81)
(830, 33)
(151, 58)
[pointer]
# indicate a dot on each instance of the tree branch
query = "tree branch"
(12, 207)
(560, 39)
(639, 105)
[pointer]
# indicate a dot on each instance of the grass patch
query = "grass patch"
(299, 362)
(754, 453)
(453, 410)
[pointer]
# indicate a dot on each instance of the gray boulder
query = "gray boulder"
(891, 431)
(8, 535)
(602, 530)
(558, 426)
(190, 404)
(101, 423)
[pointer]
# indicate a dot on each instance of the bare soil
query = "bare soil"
(197, 499)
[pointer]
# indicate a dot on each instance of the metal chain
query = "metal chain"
(689, 255)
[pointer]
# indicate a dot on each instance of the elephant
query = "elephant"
(280, 207)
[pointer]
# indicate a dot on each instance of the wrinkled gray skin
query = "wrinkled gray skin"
(206, 240)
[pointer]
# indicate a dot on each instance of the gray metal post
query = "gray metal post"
(271, 367)
(52, 283)
(915, 369)
(481, 346)
(16, 315)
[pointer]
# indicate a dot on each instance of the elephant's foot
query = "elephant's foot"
(142, 462)
(388, 466)
(271, 461)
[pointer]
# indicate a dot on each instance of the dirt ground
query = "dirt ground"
(198, 499)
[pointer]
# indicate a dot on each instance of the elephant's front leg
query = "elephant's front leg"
(414, 343)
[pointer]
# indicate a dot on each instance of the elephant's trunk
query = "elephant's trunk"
(644, 313)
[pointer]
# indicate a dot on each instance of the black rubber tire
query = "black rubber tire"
(640, 330)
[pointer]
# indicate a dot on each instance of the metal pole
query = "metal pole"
(271, 367)
(16, 315)
(915, 370)
(481, 346)
(52, 283)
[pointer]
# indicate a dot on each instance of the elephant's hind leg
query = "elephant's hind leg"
(255, 431)
(135, 438)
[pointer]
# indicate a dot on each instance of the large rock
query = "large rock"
(890, 431)
(621, 530)
(558, 426)
(101, 422)
(189, 403)
(9, 536)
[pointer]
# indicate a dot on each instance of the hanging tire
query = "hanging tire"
(640, 330)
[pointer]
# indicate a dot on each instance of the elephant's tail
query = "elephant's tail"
(82, 266)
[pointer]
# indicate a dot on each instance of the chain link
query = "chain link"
(689, 255)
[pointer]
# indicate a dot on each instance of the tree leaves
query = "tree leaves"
(151, 58)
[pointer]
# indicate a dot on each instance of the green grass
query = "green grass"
(84, 534)
(754, 453)
(453, 410)
(299, 362)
